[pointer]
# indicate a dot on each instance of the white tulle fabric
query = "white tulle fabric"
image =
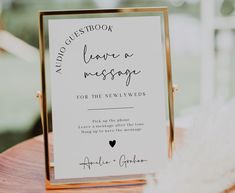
(206, 161)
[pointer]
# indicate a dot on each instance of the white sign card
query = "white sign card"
(108, 103)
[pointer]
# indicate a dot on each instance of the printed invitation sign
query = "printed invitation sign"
(107, 92)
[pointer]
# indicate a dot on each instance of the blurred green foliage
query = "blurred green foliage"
(20, 17)
(227, 7)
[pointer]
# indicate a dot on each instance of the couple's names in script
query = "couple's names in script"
(122, 161)
(90, 58)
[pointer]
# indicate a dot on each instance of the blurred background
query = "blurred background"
(202, 47)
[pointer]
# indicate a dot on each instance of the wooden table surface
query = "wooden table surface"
(22, 171)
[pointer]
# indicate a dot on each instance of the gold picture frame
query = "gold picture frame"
(98, 182)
